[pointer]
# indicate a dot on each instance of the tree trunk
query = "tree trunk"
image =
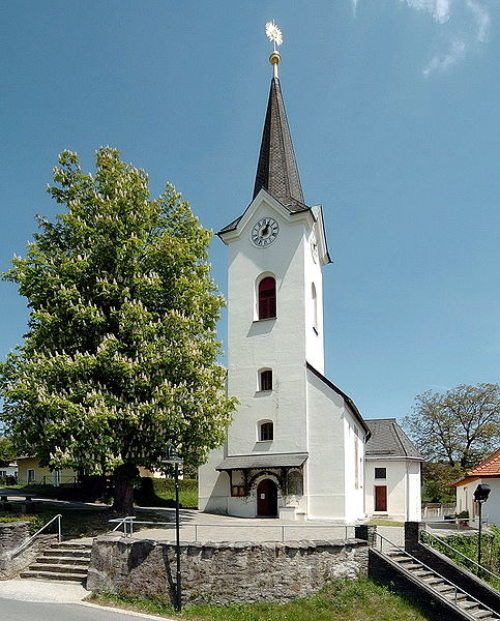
(123, 499)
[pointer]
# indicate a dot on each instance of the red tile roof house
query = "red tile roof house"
(488, 471)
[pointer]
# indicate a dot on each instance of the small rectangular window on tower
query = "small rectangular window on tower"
(266, 380)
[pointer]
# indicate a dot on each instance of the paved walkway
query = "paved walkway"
(52, 592)
(203, 527)
(41, 591)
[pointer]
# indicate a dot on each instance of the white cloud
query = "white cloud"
(442, 12)
(441, 63)
(439, 9)
(482, 17)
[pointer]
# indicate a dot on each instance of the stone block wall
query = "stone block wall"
(12, 536)
(224, 572)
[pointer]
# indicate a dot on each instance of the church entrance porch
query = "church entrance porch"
(267, 499)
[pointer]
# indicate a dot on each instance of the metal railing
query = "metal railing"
(127, 524)
(437, 509)
(456, 589)
(479, 568)
(29, 541)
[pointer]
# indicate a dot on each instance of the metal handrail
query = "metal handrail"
(23, 546)
(130, 520)
(480, 567)
(455, 587)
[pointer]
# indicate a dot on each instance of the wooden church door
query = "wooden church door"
(380, 498)
(267, 498)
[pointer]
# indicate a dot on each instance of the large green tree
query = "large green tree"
(119, 360)
(7, 452)
(459, 426)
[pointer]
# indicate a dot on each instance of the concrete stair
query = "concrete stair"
(465, 606)
(67, 561)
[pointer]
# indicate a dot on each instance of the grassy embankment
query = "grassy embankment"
(343, 600)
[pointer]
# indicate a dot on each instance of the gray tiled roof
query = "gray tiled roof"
(388, 439)
(277, 170)
(269, 460)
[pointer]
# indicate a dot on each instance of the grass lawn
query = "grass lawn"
(343, 600)
(188, 491)
(160, 492)
(75, 522)
(382, 522)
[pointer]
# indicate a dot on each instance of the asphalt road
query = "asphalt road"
(15, 610)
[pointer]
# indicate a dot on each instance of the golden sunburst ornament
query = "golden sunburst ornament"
(274, 34)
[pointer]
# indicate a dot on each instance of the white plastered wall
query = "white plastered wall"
(331, 468)
(213, 486)
(403, 488)
(491, 508)
(307, 415)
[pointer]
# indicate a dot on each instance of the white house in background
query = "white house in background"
(488, 471)
(392, 472)
(296, 444)
(8, 470)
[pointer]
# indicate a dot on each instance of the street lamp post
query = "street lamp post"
(481, 494)
(173, 458)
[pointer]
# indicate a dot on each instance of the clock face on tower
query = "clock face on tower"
(264, 232)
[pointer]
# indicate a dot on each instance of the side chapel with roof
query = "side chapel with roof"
(296, 446)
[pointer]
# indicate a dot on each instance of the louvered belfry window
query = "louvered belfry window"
(267, 298)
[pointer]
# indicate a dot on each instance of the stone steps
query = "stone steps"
(468, 606)
(67, 561)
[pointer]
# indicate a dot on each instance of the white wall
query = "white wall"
(403, 488)
(277, 344)
(213, 486)
(491, 508)
(307, 415)
(331, 471)
(414, 500)
(354, 467)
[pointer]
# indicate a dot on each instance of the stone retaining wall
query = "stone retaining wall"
(12, 536)
(224, 572)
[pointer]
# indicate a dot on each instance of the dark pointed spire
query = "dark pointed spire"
(277, 170)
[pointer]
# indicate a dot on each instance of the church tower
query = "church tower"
(295, 447)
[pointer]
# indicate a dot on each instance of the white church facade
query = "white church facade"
(296, 447)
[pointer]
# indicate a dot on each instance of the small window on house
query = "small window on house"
(31, 476)
(266, 432)
(266, 380)
(295, 486)
(238, 490)
(267, 298)
(380, 473)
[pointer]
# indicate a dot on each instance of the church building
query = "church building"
(296, 446)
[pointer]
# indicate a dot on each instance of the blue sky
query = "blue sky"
(394, 107)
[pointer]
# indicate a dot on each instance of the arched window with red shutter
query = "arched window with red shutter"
(267, 298)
